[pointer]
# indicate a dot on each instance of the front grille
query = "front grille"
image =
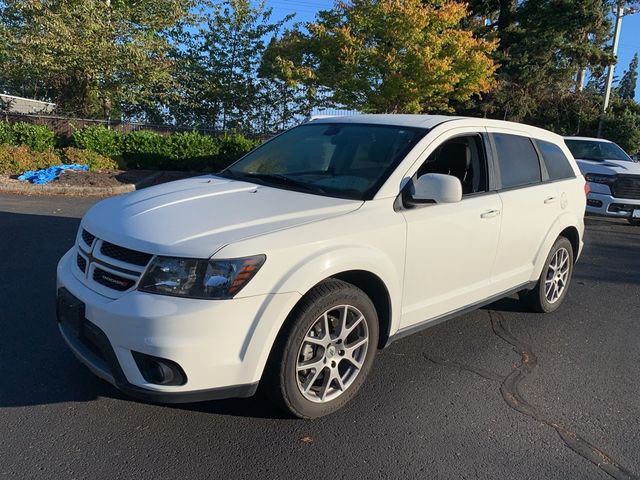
(111, 280)
(124, 254)
(87, 237)
(108, 266)
(626, 187)
(82, 263)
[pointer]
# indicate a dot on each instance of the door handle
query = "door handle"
(490, 214)
(550, 200)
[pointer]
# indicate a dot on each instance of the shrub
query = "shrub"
(96, 162)
(99, 139)
(6, 134)
(144, 149)
(39, 138)
(192, 151)
(232, 147)
(15, 160)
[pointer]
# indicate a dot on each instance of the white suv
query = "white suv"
(294, 265)
(612, 175)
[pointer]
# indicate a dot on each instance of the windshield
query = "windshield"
(343, 160)
(598, 151)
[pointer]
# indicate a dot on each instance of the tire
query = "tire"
(539, 299)
(315, 392)
(634, 221)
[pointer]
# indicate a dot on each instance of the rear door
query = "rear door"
(530, 205)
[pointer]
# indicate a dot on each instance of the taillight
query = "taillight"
(586, 189)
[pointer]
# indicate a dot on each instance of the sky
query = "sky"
(629, 45)
(305, 11)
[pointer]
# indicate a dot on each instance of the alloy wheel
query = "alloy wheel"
(557, 275)
(332, 353)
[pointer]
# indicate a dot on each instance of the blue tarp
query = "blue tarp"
(46, 175)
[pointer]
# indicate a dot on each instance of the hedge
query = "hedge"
(103, 148)
(39, 138)
(102, 140)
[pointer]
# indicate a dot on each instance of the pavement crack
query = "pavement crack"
(463, 366)
(509, 389)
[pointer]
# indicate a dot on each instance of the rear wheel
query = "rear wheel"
(634, 221)
(325, 352)
(552, 287)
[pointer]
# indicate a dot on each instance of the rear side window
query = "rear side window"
(517, 159)
(558, 166)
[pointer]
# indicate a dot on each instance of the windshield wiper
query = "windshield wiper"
(278, 179)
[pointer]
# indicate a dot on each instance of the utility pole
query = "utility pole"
(612, 66)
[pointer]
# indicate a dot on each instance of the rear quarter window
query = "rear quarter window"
(557, 163)
(517, 159)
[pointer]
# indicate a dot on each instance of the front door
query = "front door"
(451, 247)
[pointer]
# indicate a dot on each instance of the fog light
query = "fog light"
(159, 371)
(594, 203)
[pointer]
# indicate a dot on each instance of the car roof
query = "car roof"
(426, 121)
(589, 139)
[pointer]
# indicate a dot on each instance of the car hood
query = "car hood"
(198, 216)
(609, 167)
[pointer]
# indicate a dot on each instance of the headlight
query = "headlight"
(599, 178)
(193, 278)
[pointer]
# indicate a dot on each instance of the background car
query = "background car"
(613, 177)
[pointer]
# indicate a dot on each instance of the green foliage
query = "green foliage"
(6, 133)
(192, 151)
(39, 138)
(15, 160)
(96, 162)
(627, 86)
(99, 139)
(90, 57)
(545, 46)
(183, 151)
(218, 74)
(232, 147)
(146, 150)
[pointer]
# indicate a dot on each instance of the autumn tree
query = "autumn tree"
(90, 56)
(387, 55)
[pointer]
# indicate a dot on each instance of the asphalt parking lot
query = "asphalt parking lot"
(497, 393)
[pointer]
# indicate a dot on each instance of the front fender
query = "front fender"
(304, 274)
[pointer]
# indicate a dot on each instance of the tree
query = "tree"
(544, 48)
(387, 56)
(220, 62)
(90, 57)
(627, 86)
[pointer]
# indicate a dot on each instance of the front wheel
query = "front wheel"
(634, 221)
(325, 351)
(552, 287)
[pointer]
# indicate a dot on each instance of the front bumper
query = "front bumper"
(607, 205)
(217, 343)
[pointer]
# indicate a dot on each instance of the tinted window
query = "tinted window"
(347, 160)
(517, 159)
(556, 161)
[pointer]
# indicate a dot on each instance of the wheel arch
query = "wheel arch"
(571, 233)
(377, 291)
(565, 226)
